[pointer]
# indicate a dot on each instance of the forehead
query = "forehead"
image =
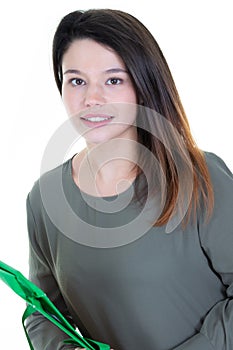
(87, 53)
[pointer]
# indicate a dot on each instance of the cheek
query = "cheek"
(127, 111)
(130, 96)
(70, 102)
(67, 105)
(125, 93)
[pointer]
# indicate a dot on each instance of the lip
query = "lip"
(91, 124)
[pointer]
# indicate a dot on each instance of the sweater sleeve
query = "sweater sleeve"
(43, 334)
(216, 239)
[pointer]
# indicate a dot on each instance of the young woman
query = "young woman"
(134, 278)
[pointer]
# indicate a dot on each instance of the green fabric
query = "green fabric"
(38, 301)
(160, 292)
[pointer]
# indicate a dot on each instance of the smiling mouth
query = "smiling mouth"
(96, 118)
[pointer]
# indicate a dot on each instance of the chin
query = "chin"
(98, 139)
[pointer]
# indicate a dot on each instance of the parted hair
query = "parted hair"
(156, 91)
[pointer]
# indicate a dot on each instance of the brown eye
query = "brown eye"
(77, 82)
(114, 81)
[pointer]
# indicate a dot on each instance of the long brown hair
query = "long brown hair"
(156, 91)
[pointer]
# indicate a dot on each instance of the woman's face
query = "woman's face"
(98, 92)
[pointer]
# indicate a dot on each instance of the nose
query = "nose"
(94, 96)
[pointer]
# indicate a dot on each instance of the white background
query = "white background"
(196, 39)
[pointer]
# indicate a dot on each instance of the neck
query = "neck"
(113, 160)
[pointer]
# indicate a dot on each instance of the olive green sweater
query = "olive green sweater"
(158, 292)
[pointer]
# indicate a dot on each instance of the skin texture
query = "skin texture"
(96, 81)
(94, 86)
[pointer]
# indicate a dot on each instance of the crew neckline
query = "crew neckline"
(112, 197)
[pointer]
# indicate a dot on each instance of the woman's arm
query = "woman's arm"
(43, 334)
(216, 239)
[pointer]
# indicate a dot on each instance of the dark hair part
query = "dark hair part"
(155, 87)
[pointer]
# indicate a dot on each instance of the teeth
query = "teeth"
(97, 119)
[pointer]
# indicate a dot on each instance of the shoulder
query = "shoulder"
(47, 183)
(221, 175)
(216, 164)
(222, 182)
(216, 235)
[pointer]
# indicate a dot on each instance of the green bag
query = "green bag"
(37, 300)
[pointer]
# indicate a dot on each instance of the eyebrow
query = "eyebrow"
(111, 70)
